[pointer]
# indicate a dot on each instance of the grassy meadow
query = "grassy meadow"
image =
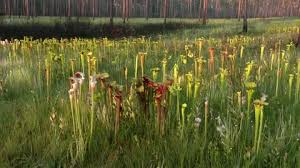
(201, 96)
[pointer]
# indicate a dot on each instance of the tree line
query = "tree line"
(150, 8)
(201, 9)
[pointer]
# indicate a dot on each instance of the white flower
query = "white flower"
(263, 97)
(197, 120)
(61, 123)
(221, 129)
(52, 119)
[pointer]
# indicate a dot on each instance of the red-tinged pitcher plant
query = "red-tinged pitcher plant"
(161, 91)
(118, 111)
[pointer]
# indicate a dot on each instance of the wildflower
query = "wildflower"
(61, 123)
(190, 54)
(221, 129)
(183, 59)
(198, 119)
(186, 47)
(197, 122)
(52, 119)
(263, 97)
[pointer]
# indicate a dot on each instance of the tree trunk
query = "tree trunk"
(199, 14)
(69, 8)
(94, 4)
(27, 9)
(124, 4)
(165, 12)
(245, 24)
(146, 9)
(204, 12)
(111, 12)
(239, 9)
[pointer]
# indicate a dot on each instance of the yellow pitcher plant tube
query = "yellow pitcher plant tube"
(250, 86)
(82, 61)
(189, 79)
(164, 69)
(175, 73)
(136, 67)
(242, 52)
(248, 70)
(259, 114)
(183, 107)
(291, 78)
(223, 74)
(196, 88)
(272, 59)
(262, 49)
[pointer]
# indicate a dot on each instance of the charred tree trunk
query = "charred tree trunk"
(165, 12)
(94, 11)
(146, 9)
(245, 22)
(205, 12)
(239, 9)
(124, 4)
(69, 9)
(200, 7)
(111, 12)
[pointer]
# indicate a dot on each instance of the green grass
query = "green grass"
(29, 138)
